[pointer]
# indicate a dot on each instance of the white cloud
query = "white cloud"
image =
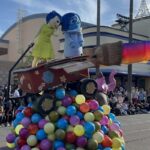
(86, 9)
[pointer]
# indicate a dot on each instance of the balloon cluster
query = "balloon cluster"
(76, 123)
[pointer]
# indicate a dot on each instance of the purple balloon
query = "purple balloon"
(82, 141)
(94, 105)
(61, 148)
(74, 120)
(25, 122)
(45, 144)
(24, 133)
(42, 123)
(67, 101)
(25, 147)
(10, 138)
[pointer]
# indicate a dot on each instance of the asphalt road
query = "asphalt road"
(136, 131)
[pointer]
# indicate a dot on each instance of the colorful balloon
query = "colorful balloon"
(49, 128)
(45, 144)
(106, 109)
(78, 130)
(10, 138)
(80, 99)
(18, 128)
(32, 140)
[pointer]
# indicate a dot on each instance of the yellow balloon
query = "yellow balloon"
(116, 143)
(35, 148)
(70, 128)
(10, 145)
(89, 117)
(106, 109)
(49, 128)
(32, 140)
(18, 128)
(98, 136)
(51, 137)
(78, 130)
(117, 148)
(80, 99)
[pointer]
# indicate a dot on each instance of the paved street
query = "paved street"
(136, 129)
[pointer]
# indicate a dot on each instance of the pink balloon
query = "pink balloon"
(104, 120)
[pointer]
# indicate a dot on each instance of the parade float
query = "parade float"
(65, 112)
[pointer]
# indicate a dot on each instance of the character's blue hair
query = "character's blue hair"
(65, 21)
(51, 15)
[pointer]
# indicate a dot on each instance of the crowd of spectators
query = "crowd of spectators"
(121, 105)
(8, 106)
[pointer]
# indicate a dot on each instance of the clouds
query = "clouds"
(85, 8)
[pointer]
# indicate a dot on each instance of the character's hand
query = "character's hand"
(73, 44)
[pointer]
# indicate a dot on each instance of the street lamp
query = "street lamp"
(98, 32)
(130, 41)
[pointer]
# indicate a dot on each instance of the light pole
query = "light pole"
(130, 41)
(98, 31)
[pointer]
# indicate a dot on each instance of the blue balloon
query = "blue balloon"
(36, 118)
(104, 129)
(58, 144)
(41, 134)
(100, 147)
(89, 127)
(60, 93)
(107, 148)
(30, 104)
(20, 108)
(71, 110)
(112, 116)
(62, 123)
(80, 115)
(15, 123)
(73, 93)
(101, 109)
(19, 116)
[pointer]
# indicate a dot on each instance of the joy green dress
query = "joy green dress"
(43, 45)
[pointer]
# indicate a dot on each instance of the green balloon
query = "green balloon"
(113, 134)
(98, 115)
(60, 134)
(92, 144)
(53, 116)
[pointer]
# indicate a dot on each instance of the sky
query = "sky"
(85, 8)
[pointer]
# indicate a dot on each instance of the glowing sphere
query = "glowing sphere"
(78, 130)
(80, 99)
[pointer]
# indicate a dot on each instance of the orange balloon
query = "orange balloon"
(33, 128)
(107, 142)
(84, 107)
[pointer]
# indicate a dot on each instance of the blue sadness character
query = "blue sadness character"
(71, 26)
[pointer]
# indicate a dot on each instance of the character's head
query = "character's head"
(53, 19)
(71, 22)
